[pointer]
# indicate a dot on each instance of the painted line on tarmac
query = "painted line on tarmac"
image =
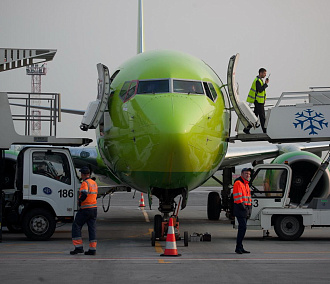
(146, 217)
(83, 258)
(21, 244)
(297, 252)
(35, 252)
(158, 249)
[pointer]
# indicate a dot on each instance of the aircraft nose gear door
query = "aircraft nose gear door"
(95, 109)
(243, 111)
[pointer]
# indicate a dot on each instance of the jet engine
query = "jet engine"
(304, 165)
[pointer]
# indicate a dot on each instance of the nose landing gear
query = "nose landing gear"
(161, 224)
(161, 228)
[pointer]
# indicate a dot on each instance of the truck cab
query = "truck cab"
(46, 189)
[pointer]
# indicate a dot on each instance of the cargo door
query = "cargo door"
(95, 109)
(243, 111)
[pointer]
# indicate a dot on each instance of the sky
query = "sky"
(290, 38)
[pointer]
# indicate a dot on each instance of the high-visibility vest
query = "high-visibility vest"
(89, 187)
(253, 95)
(242, 192)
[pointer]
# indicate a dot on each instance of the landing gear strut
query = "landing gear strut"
(166, 206)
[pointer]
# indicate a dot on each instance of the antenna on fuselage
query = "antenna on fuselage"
(140, 32)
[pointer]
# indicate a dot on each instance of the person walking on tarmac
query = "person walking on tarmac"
(257, 95)
(242, 206)
(86, 214)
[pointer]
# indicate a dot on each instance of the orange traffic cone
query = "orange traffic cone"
(142, 201)
(170, 249)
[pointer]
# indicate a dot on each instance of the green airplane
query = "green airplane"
(165, 122)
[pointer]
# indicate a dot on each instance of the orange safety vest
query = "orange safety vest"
(242, 192)
(89, 187)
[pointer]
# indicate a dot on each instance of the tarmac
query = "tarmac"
(125, 254)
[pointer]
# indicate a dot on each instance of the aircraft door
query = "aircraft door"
(243, 111)
(95, 109)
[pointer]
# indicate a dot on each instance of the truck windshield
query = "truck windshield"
(52, 165)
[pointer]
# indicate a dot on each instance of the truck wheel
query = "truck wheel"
(38, 224)
(289, 228)
(213, 206)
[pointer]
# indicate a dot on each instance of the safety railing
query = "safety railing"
(35, 112)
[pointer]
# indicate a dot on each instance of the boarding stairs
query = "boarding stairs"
(292, 117)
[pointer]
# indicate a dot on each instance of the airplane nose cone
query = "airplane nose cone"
(173, 114)
(176, 139)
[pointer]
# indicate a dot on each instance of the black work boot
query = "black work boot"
(90, 252)
(246, 130)
(77, 250)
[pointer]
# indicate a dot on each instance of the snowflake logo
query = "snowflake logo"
(314, 121)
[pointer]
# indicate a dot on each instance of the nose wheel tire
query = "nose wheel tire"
(153, 239)
(185, 238)
(158, 225)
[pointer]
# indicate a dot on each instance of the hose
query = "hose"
(108, 207)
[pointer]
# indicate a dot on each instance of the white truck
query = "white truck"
(46, 189)
(271, 206)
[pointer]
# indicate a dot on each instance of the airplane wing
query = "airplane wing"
(253, 154)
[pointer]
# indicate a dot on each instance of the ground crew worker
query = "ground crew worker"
(242, 206)
(86, 214)
(257, 95)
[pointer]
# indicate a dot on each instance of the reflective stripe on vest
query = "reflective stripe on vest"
(241, 192)
(91, 191)
(253, 95)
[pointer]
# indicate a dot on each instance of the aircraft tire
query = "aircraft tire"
(158, 225)
(213, 206)
(153, 238)
(38, 224)
(185, 238)
(289, 227)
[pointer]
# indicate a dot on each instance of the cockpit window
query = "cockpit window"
(160, 86)
(210, 91)
(213, 91)
(124, 89)
(128, 90)
(153, 87)
(189, 87)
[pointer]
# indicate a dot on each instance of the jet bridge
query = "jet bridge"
(292, 117)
